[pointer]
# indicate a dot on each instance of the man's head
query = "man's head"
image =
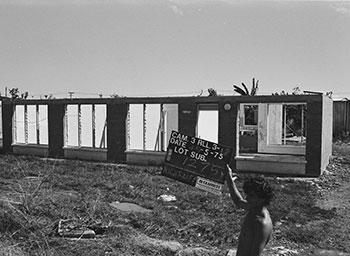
(258, 190)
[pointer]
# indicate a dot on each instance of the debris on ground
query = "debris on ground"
(74, 229)
(281, 250)
(129, 207)
(167, 198)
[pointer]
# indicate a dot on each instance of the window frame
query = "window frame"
(263, 133)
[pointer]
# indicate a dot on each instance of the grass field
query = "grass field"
(35, 194)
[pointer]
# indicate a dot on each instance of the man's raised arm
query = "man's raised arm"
(238, 200)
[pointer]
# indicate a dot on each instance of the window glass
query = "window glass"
(43, 129)
(250, 114)
(100, 126)
(72, 125)
(294, 124)
(19, 132)
(31, 114)
(86, 125)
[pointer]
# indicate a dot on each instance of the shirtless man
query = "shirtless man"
(257, 225)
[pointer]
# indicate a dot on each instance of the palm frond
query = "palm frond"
(245, 88)
(239, 90)
(254, 87)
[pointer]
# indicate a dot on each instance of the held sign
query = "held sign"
(196, 162)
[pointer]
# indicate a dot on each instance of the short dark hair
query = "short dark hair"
(260, 187)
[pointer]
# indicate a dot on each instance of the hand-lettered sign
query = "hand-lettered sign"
(196, 162)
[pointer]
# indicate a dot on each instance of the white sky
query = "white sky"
(174, 47)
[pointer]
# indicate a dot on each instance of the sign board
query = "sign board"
(196, 162)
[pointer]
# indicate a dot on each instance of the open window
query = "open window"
(248, 128)
(208, 119)
(85, 125)
(282, 128)
(149, 126)
(30, 125)
(249, 115)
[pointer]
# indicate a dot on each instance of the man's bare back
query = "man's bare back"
(255, 233)
(257, 226)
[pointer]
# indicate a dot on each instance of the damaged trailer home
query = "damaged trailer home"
(284, 135)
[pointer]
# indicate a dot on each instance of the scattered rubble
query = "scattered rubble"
(281, 250)
(129, 207)
(167, 198)
(73, 229)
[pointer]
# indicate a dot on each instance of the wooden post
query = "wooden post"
(93, 124)
(144, 127)
(128, 128)
(79, 125)
(37, 124)
(162, 127)
(14, 125)
(26, 124)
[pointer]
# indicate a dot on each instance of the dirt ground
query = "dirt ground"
(310, 215)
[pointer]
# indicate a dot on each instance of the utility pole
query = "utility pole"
(70, 94)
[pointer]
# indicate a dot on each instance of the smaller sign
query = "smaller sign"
(209, 185)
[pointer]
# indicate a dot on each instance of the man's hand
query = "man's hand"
(230, 174)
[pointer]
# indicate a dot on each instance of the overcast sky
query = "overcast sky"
(173, 47)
